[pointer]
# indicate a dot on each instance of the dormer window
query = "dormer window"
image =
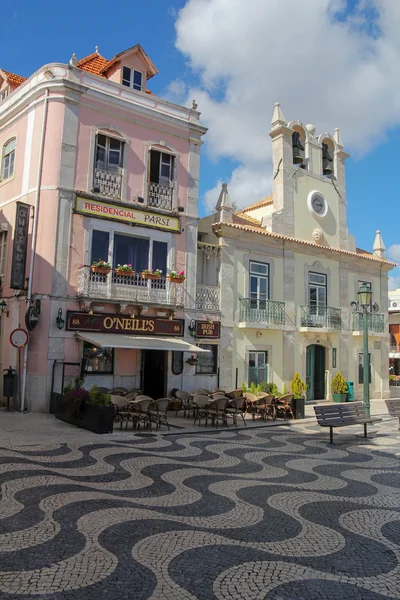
(132, 78)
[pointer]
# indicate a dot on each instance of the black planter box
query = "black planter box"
(99, 419)
(298, 408)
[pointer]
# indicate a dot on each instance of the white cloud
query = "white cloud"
(393, 252)
(243, 183)
(333, 72)
(394, 282)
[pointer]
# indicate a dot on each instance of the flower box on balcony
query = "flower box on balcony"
(124, 273)
(101, 270)
(151, 274)
(176, 276)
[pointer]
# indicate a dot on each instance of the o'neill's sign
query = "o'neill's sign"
(125, 214)
(78, 321)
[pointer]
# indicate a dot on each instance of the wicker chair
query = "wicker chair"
(213, 390)
(215, 411)
(199, 406)
(119, 391)
(235, 408)
(201, 391)
(140, 412)
(267, 407)
(131, 395)
(158, 412)
(184, 400)
(122, 414)
(283, 406)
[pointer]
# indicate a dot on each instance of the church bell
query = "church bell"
(298, 149)
(327, 161)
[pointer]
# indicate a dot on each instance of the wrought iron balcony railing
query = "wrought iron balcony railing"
(207, 297)
(107, 184)
(253, 310)
(376, 322)
(160, 196)
(130, 288)
(321, 316)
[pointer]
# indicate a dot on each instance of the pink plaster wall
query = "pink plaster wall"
(138, 136)
(127, 362)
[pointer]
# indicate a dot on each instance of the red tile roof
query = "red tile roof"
(260, 230)
(13, 78)
(94, 63)
(259, 204)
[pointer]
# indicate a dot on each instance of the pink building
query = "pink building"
(96, 167)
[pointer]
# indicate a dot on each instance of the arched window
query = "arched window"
(328, 150)
(8, 159)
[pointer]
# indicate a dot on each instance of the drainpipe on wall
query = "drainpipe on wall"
(34, 235)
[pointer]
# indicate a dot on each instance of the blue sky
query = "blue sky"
(48, 31)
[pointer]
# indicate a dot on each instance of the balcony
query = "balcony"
(267, 313)
(132, 289)
(321, 317)
(160, 196)
(107, 184)
(376, 323)
(207, 297)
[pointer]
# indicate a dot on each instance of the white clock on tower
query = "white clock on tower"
(317, 204)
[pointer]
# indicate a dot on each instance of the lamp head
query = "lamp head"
(364, 295)
(60, 321)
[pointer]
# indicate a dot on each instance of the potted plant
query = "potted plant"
(125, 270)
(150, 274)
(298, 388)
(192, 360)
(89, 409)
(176, 276)
(339, 388)
(101, 266)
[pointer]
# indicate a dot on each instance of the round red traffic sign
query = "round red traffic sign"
(19, 338)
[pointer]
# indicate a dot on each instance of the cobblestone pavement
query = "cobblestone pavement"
(274, 513)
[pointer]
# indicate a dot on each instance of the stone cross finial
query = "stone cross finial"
(379, 246)
(224, 207)
(73, 60)
(278, 118)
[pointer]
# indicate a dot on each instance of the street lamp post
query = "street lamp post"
(364, 303)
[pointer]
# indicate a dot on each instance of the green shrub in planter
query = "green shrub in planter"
(297, 387)
(339, 388)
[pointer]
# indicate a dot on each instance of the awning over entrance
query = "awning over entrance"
(115, 340)
(394, 354)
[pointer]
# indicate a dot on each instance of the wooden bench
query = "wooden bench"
(393, 406)
(341, 415)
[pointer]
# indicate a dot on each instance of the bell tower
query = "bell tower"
(308, 187)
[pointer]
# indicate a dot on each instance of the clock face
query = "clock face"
(317, 204)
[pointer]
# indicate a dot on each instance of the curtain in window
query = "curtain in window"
(100, 244)
(131, 251)
(160, 250)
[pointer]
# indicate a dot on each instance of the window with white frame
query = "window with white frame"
(3, 252)
(8, 159)
(207, 364)
(160, 176)
(139, 252)
(161, 165)
(108, 155)
(132, 78)
(3, 95)
(259, 284)
(258, 367)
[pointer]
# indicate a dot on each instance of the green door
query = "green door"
(310, 371)
(319, 375)
(315, 372)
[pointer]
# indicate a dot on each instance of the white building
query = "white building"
(288, 270)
